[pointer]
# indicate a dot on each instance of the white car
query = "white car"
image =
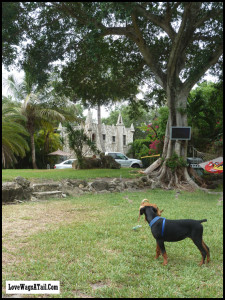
(125, 161)
(66, 164)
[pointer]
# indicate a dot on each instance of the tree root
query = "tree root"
(193, 173)
(178, 179)
(152, 167)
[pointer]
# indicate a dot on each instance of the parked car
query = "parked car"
(125, 161)
(66, 164)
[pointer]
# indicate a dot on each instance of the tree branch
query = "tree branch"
(210, 14)
(132, 32)
(145, 51)
(85, 19)
(163, 23)
(193, 78)
(201, 37)
(183, 38)
(126, 31)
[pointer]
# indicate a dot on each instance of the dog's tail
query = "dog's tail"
(204, 220)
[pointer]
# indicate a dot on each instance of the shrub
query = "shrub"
(175, 162)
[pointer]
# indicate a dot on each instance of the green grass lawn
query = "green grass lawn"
(87, 243)
(57, 174)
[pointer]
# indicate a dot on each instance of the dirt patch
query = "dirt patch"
(19, 222)
(220, 201)
(82, 295)
(99, 285)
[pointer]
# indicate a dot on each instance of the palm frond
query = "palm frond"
(13, 133)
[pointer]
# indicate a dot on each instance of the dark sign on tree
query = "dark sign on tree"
(180, 133)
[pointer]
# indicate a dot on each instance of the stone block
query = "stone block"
(11, 191)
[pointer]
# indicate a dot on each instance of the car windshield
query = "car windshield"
(120, 156)
(68, 162)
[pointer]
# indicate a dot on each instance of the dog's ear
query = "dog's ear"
(160, 212)
(154, 209)
(142, 210)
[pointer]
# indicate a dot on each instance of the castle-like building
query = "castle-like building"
(115, 138)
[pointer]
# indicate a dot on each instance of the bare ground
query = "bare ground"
(19, 222)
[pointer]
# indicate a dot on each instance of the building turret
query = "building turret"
(119, 120)
(132, 128)
(89, 121)
(119, 135)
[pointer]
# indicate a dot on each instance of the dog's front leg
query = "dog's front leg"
(157, 250)
(163, 251)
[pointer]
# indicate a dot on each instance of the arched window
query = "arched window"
(93, 138)
(124, 140)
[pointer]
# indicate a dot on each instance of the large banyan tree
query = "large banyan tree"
(174, 43)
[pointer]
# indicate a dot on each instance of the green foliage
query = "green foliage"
(46, 141)
(13, 133)
(99, 75)
(175, 162)
(182, 111)
(36, 111)
(139, 148)
(107, 49)
(205, 115)
(156, 97)
(154, 132)
(161, 121)
(12, 30)
(50, 99)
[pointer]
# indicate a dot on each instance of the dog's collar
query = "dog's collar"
(156, 219)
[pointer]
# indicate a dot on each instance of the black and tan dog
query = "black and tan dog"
(165, 230)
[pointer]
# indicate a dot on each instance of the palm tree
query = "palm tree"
(33, 109)
(35, 115)
(13, 133)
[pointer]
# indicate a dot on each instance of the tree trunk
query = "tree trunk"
(100, 129)
(176, 176)
(33, 151)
